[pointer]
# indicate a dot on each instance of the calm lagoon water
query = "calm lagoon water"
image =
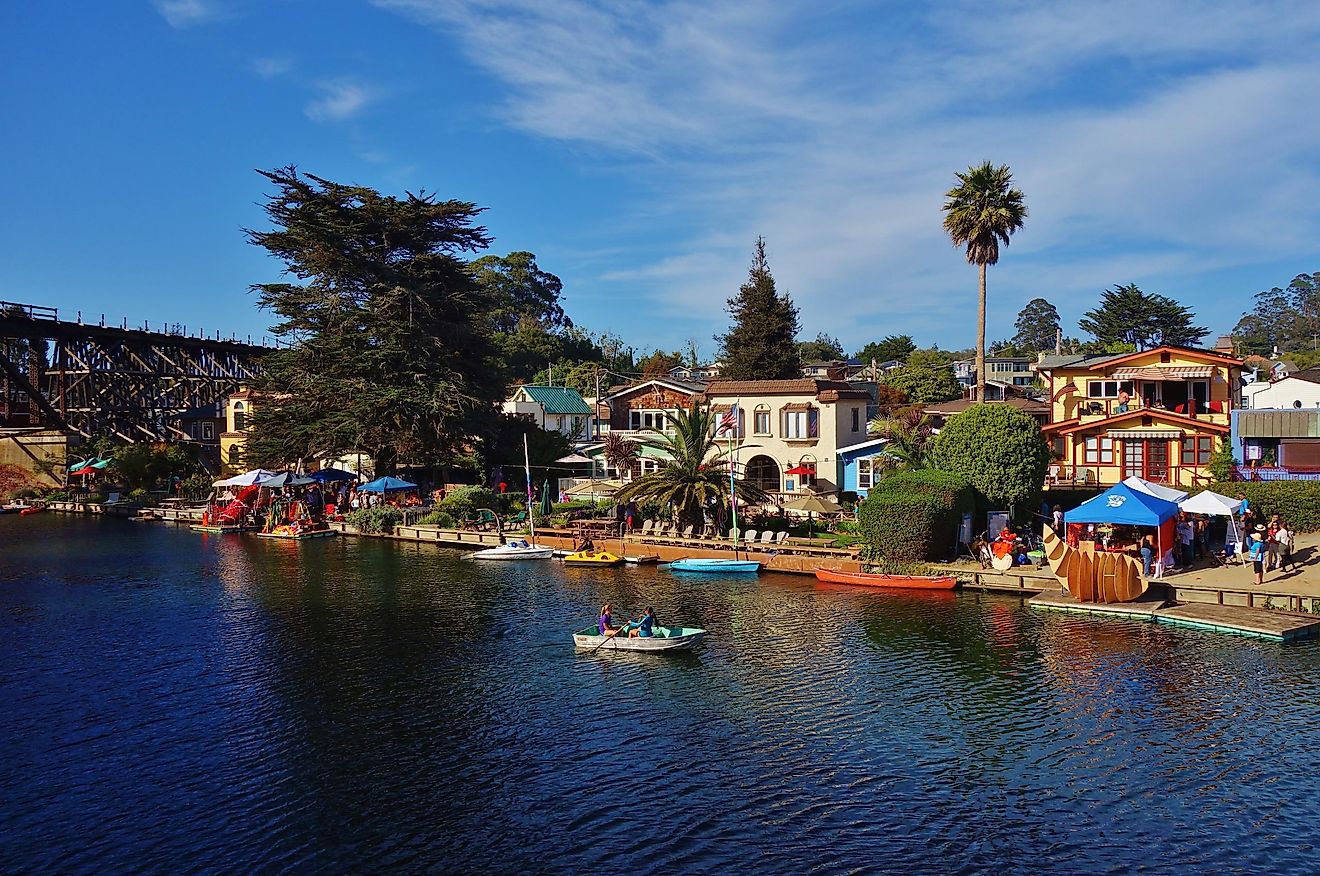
(175, 702)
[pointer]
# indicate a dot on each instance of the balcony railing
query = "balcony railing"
(1107, 407)
(1275, 473)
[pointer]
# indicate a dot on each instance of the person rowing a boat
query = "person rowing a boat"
(643, 627)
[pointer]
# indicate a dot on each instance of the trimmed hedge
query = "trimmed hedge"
(1297, 502)
(910, 516)
(375, 520)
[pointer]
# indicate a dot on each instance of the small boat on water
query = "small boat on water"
(32, 509)
(592, 558)
(514, 550)
(664, 639)
(295, 533)
(875, 579)
(715, 566)
(219, 529)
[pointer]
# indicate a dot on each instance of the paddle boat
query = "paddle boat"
(715, 566)
(592, 557)
(221, 529)
(516, 549)
(875, 579)
(297, 532)
(664, 639)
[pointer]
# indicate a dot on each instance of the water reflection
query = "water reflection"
(367, 705)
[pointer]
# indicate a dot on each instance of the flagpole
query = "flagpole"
(733, 469)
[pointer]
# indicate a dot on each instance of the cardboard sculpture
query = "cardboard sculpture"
(1094, 576)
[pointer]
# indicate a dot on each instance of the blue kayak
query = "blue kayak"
(717, 567)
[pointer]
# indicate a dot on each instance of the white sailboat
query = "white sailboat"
(520, 548)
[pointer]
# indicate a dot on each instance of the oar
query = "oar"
(607, 638)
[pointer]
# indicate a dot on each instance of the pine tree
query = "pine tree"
(762, 342)
(1127, 315)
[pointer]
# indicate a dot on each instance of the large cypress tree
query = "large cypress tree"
(389, 336)
(762, 342)
(1127, 315)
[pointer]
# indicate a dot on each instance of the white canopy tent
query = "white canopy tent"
(246, 479)
(1159, 491)
(1210, 502)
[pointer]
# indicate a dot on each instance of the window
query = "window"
(857, 417)
(240, 420)
(235, 454)
(801, 425)
(1099, 451)
(208, 431)
(761, 420)
(638, 420)
(1196, 451)
(1107, 388)
(864, 474)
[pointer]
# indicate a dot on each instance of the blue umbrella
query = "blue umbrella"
(386, 485)
(326, 475)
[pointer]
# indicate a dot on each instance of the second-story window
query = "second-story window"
(761, 420)
(1107, 388)
(801, 424)
(857, 418)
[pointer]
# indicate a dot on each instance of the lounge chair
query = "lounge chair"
(749, 536)
(663, 531)
(781, 537)
(767, 537)
(647, 526)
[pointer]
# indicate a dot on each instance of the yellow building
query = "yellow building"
(233, 441)
(1157, 414)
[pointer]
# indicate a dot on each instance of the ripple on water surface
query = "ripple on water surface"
(182, 702)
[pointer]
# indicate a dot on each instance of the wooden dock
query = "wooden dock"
(1281, 626)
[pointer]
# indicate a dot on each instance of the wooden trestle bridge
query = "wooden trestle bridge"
(99, 380)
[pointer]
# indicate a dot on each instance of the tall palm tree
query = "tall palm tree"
(980, 212)
(697, 471)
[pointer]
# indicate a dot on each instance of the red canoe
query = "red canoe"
(871, 579)
(32, 509)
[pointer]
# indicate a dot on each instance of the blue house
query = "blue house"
(857, 465)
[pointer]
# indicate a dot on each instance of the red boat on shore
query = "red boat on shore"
(875, 579)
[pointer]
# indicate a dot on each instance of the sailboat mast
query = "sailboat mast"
(527, 469)
(733, 470)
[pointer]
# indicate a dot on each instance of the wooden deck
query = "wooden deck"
(1281, 626)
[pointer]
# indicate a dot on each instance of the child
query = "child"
(1256, 550)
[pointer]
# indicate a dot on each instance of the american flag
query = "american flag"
(728, 422)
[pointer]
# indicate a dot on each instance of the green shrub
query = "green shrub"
(463, 503)
(911, 516)
(139, 497)
(1222, 462)
(55, 496)
(375, 520)
(999, 450)
(437, 518)
(1297, 502)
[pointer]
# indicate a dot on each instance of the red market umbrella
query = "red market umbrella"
(801, 470)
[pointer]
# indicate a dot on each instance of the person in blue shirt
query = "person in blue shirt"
(643, 627)
(1256, 549)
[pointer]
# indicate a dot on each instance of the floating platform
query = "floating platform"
(643, 560)
(222, 530)
(301, 536)
(1281, 626)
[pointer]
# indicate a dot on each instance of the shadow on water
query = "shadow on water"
(179, 701)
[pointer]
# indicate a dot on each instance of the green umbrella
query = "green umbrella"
(547, 502)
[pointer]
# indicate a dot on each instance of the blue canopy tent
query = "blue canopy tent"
(386, 485)
(326, 475)
(1128, 507)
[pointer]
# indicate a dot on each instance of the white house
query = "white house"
(1296, 392)
(552, 408)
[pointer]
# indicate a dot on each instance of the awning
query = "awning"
(1139, 434)
(1155, 372)
(797, 406)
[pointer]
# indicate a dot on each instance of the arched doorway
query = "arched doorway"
(763, 472)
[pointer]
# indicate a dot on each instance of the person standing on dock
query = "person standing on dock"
(1284, 537)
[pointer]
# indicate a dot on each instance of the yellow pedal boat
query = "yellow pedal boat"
(592, 558)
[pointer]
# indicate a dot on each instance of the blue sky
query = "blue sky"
(639, 148)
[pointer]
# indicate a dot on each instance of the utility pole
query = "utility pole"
(595, 413)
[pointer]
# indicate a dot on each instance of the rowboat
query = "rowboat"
(714, 566)
(592, 558)
(665, 639)
(31, 509)
(873, 579)
(514, 550)
(221, 530)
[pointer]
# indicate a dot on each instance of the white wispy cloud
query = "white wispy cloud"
(1158, 141)
(186, 13)
(272, 68)
(340, 100)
